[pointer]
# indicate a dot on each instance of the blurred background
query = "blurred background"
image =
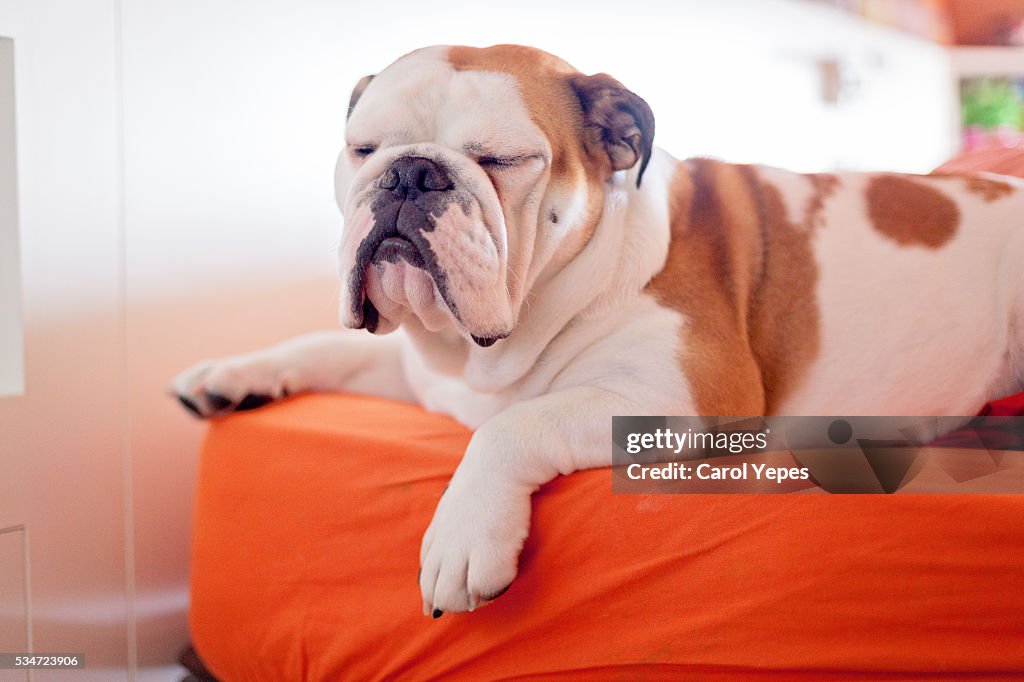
(166, 194)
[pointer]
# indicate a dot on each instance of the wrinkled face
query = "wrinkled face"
(467, 175)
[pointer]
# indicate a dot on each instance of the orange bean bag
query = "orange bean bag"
(307, 530)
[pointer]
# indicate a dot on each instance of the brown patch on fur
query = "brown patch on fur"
(988, 188)
(825, 185)
(910, 212)
(784, 317)
(700, 279)
(744, 277)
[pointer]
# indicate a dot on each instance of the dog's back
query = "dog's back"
(845, 293)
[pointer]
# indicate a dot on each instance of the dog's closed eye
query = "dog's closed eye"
(361, 151)
(500, 161)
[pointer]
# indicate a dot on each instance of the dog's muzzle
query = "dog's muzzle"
(414, 191)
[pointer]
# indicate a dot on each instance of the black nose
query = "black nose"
(415, 172)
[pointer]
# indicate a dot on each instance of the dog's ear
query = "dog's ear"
(357, 92)
(617, 123)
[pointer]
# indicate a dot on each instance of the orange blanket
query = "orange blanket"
(306, 545)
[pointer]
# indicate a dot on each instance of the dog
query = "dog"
(549, 268)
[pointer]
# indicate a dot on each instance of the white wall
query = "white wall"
(232, 117)
(62, 452)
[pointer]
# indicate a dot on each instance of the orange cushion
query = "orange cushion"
(307, 532)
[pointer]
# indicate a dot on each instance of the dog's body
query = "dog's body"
(551, 269)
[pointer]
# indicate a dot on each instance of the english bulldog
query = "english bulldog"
(549, 268)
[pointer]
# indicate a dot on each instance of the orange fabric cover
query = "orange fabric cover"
(306, 547)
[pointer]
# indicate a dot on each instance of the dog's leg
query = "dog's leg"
(470, 551)
(324, 361)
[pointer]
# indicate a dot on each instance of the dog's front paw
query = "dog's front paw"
(216, 387)
(470, 552)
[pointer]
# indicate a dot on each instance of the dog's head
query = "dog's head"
(469, 175)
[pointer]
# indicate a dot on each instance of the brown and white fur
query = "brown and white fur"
(543, 286)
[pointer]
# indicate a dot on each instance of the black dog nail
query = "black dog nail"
(218, 401)
(437, 613)
(190, 406)
(252, 401)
